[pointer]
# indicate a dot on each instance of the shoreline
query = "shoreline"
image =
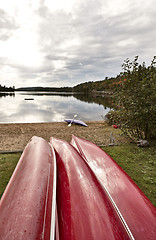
(15, 136)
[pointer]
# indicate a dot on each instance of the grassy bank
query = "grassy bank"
(139, 163)
(7, 165)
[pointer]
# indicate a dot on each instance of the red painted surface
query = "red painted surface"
(135, 207)
(25, 207)
(84, 209)
(96, 199)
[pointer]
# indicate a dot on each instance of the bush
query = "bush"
(135, 98)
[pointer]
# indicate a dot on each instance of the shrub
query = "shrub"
(135, 100)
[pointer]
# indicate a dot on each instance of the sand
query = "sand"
(15, 136)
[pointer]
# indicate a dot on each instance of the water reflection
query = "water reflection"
(5, 94)
(51, 107)
(92, 98)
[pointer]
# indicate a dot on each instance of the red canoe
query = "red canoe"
(27, 207)
(133, 207)
(84, 209)
(95, 198)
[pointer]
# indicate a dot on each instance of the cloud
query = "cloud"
(7, 25)
(64, 43)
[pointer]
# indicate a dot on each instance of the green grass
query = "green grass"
(8, 163)
(139, 164)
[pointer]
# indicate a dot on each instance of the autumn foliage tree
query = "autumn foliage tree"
(135, 100)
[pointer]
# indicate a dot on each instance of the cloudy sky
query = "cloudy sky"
(65, 42)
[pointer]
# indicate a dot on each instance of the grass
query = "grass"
(139, 164)
(8, 163)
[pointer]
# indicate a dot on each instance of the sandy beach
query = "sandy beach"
(15, 136)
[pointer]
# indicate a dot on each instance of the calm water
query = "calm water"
(50, 107)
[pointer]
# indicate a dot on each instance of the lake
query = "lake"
(19, 107)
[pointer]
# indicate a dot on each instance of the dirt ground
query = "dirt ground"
(14, 137)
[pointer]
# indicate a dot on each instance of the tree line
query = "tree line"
(7, 89)
(45, 89)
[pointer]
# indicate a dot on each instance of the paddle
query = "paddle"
(69, 125)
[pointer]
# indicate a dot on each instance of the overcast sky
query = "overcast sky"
(66, 42)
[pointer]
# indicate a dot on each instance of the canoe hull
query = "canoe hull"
(84, 210)
(78, 122)
(135, 207)
(26, 205)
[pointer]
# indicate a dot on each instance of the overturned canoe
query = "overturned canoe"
(133, 207)
(27, 207)
(94, 198)
(84, 209)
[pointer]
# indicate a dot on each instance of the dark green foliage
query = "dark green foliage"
(135, 100)
(7, 89)
(103, 85)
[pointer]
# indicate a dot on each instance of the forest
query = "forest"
(7, 89)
